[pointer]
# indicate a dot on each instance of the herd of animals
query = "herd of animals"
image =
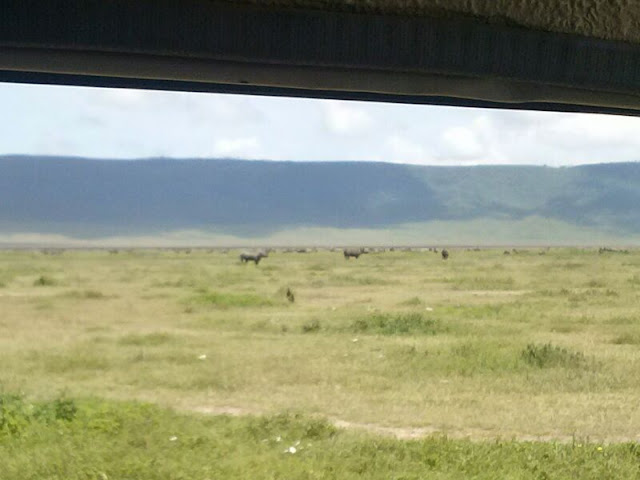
(349, 252)
(246, 257)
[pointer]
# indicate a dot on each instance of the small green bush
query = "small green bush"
(44, 281)
(295, 425)
(65, 409)
(16, 414)
(548, 355)
(311, 326)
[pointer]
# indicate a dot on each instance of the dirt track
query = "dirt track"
(413, 433)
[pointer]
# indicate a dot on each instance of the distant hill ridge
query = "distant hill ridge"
(60, 195)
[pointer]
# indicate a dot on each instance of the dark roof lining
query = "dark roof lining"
(405, 87)
(192, 44)
(606, 20)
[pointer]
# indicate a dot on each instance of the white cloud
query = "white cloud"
(404, 150)
(118, 123)
(584, 130)
(462, 142)
(345, 119)
(237, 147)
(120, 97)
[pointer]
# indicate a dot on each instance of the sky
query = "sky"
(123, 124)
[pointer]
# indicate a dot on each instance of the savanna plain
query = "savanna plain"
(176, 364)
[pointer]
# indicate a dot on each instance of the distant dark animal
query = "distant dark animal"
(445, 254)
(246, 257)
(353, 252)
(290, 296)
(507, 252)
(611, 250)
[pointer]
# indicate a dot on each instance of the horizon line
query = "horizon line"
(266, 160)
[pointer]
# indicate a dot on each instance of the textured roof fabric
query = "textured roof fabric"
(605, 19)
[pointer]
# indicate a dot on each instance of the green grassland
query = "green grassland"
(395, 365)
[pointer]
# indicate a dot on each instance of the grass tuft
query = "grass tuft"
(86, 294)
(45, 281)
(634, 280)
(397, 324)
(312, 326)
(349, 280)
(227, 300)
(148, 340)
(296, 427)
(411, 302)
(627, 339)
(548, 356)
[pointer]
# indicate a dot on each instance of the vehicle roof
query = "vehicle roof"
(566, 55)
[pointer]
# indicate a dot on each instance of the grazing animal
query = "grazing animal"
(445, 254)
(290, 296)
(246, 257)
(353, 252)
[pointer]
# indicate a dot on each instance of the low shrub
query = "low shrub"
(16, 414)
(548, 355)
(311, 326)
(44, 281)
(296, 426)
